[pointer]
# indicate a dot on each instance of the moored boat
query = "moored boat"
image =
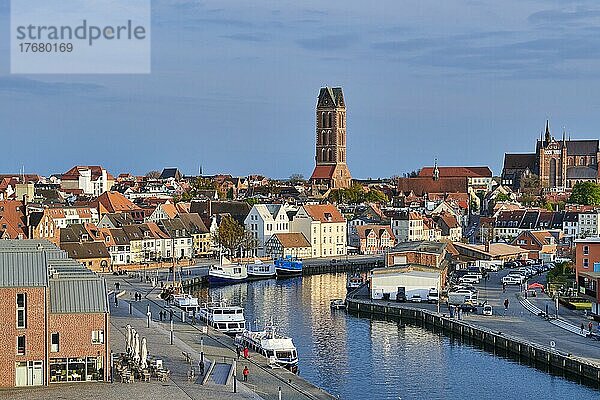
(278, 349)
(354, 282)
(260, 270)
(227, 273)
(288, 266)
(224, 318)
(337, 304)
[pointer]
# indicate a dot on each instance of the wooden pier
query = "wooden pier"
(536, 355)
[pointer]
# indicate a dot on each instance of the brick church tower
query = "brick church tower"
(331, 170)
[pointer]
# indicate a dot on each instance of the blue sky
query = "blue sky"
(234, 85)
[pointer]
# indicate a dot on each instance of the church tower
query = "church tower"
(331, 170)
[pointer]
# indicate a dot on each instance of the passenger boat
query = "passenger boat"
(224, 318)
(260, 270)
(354, 282)
(227, 273)
(186, 302)
(338, 304)
(278, 349)
(288, 266)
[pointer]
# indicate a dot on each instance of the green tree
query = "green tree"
(295, 179)
(586, 193)
(502, 197)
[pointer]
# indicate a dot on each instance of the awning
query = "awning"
(535, 285)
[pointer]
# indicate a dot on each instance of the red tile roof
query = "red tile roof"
(114, 202)
(323, 172)
(457, 172)
(292, 240)
(324, 213)
(422, 185)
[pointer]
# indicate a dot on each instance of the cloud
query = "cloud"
(35, 87)
(327, 42)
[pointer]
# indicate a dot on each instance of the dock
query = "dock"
(535, 354)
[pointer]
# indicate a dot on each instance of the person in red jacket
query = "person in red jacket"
(246, 372)
(246, 351)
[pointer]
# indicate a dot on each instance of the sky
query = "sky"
(234, 84)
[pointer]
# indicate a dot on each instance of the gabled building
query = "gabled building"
(90, 180)
(115, 202)
(13, 220)
(163, 211)
(281, 245)
(92, 255)
(451, 229)
(180, 244)
(375, 239)
(265, 220)
(541, 245)
(201, 239)
(407, 226)
(324, 227)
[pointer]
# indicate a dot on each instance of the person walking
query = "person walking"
(246, 372)
(505, 304)
(590, 326)
(246, 351)
(201, 367)
(238, 351)
(582, 329)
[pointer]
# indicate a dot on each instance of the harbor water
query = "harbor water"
(358, 358)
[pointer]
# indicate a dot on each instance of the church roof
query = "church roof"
(328, 95)
(582, 147)
(519, 161)
(421, 185)
(470, 172)
(581, 172)
(323, 172)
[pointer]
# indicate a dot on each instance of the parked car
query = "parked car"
(487, 309)
(468, 307)
(469, 278)
(416, 298)
(433, 296)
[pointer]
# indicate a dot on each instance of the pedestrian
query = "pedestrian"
(116, 302)
(246, 372)
(238, 351)
(582, 328)
(201, 367)
(526, 295)
(590, 326)
(505, 304)
(160, 315)
(246, 351)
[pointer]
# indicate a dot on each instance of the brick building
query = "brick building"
(331, 170)
(560, 164)
(56, 317)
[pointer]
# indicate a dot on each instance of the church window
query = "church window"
(323, 120)
(330, 120)
(570, 161)
(582, 161)
(329, 155)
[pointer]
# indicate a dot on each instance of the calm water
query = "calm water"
(356, 358)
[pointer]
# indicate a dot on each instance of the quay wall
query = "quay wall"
(315, 268)
(537, 355)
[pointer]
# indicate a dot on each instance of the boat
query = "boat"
(260, 270)
(227, 273)
(186, 302)
(354, 282)
(338, 304)
(278, 349)
(222, 317)
(288, 266)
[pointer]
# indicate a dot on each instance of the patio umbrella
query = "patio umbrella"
(136, 347)
(535, 285)
(143, 361)
(128, 340)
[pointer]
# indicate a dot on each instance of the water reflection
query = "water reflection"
(357, 358)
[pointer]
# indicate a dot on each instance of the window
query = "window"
(586, 250)
(586, 263)
(54, 338)
(97, 337)
(21, 345)
(22, 310)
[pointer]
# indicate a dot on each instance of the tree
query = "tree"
(502, 197)
(356, 194)
(153, 174)
(296, 179)
(231, 235)
(586, 193)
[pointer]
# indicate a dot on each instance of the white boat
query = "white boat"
(260, 270)
(354, 282)
(186, 302)
(227, 273)
(224, 318)
(278, 349)
(338, 304)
